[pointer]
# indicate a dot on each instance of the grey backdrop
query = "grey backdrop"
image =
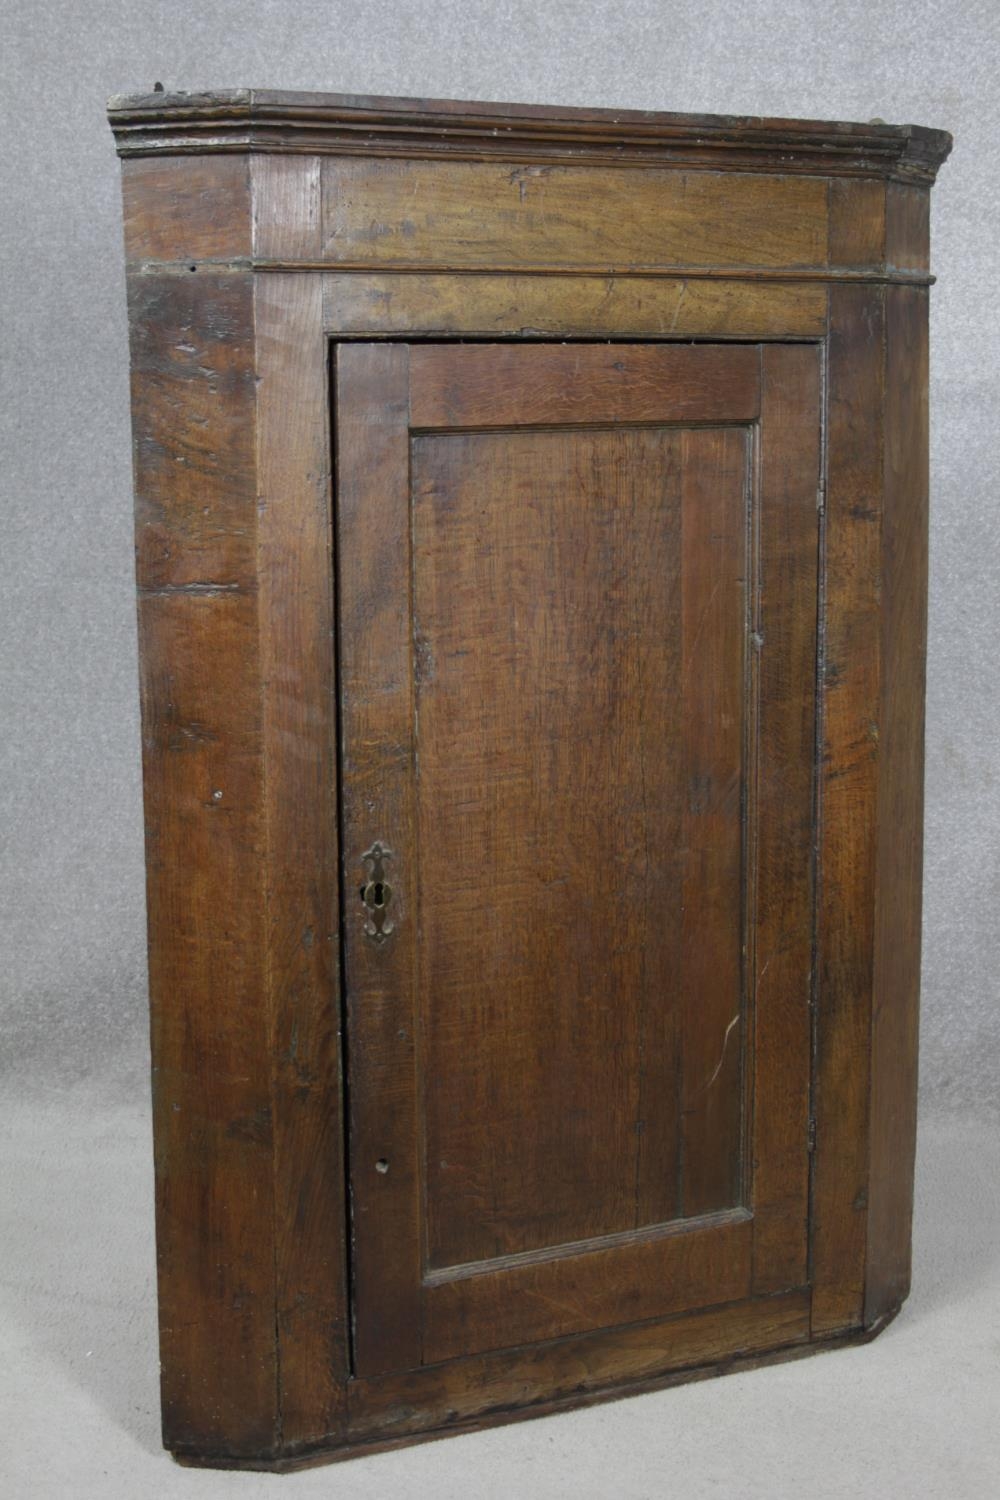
(913, 1414)
(71, 877)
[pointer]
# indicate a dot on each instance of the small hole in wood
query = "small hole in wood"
(382, 1166)
(192, 268)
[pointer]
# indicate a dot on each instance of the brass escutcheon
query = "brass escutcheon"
(376, 893)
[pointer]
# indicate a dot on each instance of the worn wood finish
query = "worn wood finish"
(377, 804)
(466, 214)
(851, 672)
(510, 386)
(532, 824)
(484, 1391)
(397, 306)
(286, 198)
(294, 545)
(857, 228)
(183, 211)
(195, 466)
(900, 850)
(712, 865)
(907, 227)
(899, 853)
(579, 856)
(268, 120)
(489, 1383)
(783, 911)
(721, 507)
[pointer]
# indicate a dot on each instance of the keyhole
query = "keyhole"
(373, 894)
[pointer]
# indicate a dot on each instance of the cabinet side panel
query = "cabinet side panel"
(900, 833)
(848, 804)
(296, 632)
(192, 430)
(192, 341)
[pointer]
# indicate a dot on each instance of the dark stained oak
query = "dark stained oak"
(531, 525)
(393, 304)
(848, 804)
(551, 713)
(893, 1106)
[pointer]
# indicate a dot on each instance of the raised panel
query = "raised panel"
(579, 617)
(551, 658)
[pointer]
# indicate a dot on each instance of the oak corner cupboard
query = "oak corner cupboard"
(531, 516)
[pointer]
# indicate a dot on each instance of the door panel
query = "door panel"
(580, 742)
(553, 565)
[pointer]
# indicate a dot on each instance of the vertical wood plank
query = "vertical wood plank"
(713, 693)
(194, 422)
(848, 804)
(377, 739)
(908, 210)
(857, 231)
(900, 824)
(786, 726)
(294, 535)
(656, 614)
(286, 207)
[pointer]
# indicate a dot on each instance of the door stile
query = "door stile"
(790, 481)
(377, 791)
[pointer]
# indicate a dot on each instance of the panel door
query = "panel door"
(577, 593)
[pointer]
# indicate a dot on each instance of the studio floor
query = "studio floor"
(914, 1414)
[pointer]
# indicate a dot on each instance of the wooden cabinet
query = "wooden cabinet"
(531, 530)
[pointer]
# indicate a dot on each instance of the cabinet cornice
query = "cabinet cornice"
(245, 120)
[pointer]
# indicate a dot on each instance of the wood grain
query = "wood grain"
(550, 801)
(476, 214)
(649, 1276)
(377, 748)
(559, 651)
(176, 209)
(908, 227)
(444, 1394)
(547, 792)
(714, 565)
(857, 234)
(294, 549)
(386, 304)
(193, 451)
(506, 385)
(899, 852)
(453, 130)
(786, 626)
(202, 777)
(286, 207)
(848, 805)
